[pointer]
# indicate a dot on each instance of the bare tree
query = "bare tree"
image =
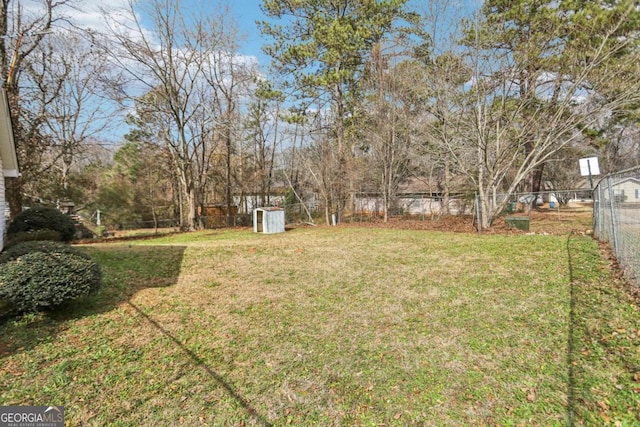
(25, 32)
(387, 137)
(514, 131)
(64, 90)
(319, 159)
(230, 78)
(263, 133)
(168, 59)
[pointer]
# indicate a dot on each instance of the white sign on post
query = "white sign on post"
(589, 166)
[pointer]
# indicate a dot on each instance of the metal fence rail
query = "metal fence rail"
(616, 218)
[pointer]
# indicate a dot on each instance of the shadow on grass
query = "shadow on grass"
(125, 271)
(260, 419)
(571, 341)
(602, 358)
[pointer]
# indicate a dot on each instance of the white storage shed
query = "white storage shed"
(268, 220)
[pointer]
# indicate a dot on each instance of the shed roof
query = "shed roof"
(625, 180)
(7, 145)
(269, 208)
(604, 183)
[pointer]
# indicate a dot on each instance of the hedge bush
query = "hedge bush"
(38, 280)
(24, 248)
(31, 236)
(42, 218)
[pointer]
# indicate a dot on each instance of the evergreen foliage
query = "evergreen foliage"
(45, 246)
(43, 218)
(39, 280)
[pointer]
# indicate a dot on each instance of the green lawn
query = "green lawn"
(337, 326)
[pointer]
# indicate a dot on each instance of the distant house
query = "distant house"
(420, 196)
(627, 190)
(8, 157)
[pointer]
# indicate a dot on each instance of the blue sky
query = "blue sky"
(247, 12)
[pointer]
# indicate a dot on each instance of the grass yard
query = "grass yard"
(337, 326)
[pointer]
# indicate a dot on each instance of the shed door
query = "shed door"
(259, 218)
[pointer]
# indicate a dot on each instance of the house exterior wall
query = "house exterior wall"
(3, 225)
(625, 191)
(413, 205)
(630, 188)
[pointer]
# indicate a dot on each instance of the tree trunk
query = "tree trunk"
(192, 208)
(13, 195)
(228, 195)
(536, 178)
(445, 185)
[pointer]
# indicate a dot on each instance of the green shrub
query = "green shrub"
(43, 218)
(5, 307)
(23, 248)
(38, 280)
(30, 236)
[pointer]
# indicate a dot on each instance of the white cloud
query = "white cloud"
(89, 16)
(81, 13)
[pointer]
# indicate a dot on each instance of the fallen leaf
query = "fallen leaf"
(603, 405)
(531, 396)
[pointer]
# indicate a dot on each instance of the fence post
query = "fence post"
(601, 215)
(595, 212)
(613, 217)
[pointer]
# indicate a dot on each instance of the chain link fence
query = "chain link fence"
(616, 218)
